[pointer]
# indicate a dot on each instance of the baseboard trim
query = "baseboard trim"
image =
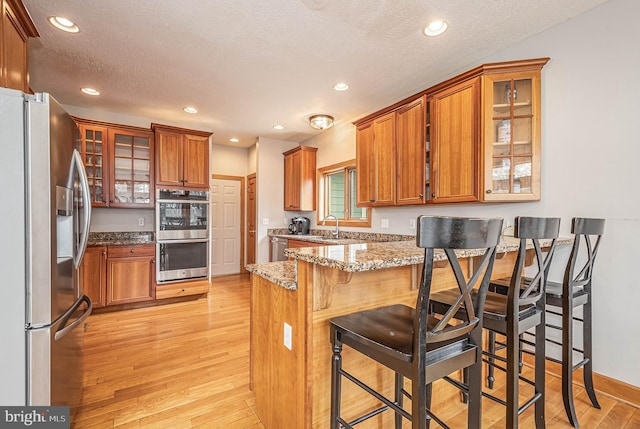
(619, 390)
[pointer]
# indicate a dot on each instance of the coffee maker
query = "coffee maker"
(299, 225)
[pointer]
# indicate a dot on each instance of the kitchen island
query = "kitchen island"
(292, 302)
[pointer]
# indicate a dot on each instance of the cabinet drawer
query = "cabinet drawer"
(129, 251)
(182, 289)
(302, 243)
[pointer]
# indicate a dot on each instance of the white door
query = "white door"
(225, 227)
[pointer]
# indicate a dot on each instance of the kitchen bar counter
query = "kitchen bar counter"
(290, 374)
(282, 273)
(365, 257)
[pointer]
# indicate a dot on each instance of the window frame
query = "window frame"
(322, 174)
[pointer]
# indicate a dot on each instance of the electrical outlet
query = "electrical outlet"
(384, 223)
(507, 228)
(288, 335)
(265, 221)
(140, 221)
(412, 223)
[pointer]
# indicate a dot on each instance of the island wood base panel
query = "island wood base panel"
(292, 387)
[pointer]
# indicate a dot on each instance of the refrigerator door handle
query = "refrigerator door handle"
(86, 200)
(65, 329)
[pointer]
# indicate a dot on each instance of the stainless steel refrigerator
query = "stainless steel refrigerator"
(44, 225)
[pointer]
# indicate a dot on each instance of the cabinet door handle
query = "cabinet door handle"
(488, 191)
(421, 195)
(104, 253)
(133, 251)
(372, 200)
(433, 195)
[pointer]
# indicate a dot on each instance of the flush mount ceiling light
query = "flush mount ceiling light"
(341, 86)
(278, 127)
(90, 91)
(321, 122)
(435, 28)
(63, 24)
(234, 140)
(190, 109)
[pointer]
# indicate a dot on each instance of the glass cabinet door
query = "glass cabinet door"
(132, 169)
(512, 138)
(93, 151)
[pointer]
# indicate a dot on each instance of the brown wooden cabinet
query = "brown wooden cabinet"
(119, 161)
(182, 157)
(375, 161)
(474, 137)
(511, 145)
(16, 27)
(300, 178)
(130, 274)
(93, 275)
(294, 244)
(455, 143)
(411, 152)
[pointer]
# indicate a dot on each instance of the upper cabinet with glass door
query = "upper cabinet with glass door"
(512, 131)
(132, 168)
(94, 153)
(119, 163)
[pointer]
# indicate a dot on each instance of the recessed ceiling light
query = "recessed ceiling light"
(341, 86)
(234, 140)
(278, 127)
(190, 109)
(90, 91)
(435, 28)
(63, 24)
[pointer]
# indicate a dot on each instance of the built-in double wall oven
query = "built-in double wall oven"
(182, 235)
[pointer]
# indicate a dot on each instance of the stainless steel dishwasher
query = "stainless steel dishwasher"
(278, 245)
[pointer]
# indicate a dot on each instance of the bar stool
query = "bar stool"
(522, 307)
(413, 342)
(574, 292)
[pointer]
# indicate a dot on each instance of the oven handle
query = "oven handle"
(195, 240)
(183, 201)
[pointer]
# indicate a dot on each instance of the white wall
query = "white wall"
(270, 191)
(229, 161)
(252, 159)
(590, 95)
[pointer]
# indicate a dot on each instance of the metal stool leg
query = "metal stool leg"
(336, 383)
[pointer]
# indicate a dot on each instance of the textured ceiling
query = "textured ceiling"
(248, 64)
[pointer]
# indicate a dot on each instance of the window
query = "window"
(337, 195)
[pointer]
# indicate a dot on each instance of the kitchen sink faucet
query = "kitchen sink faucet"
(337, 231)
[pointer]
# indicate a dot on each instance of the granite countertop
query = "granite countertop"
(366, 257)
(374, 256)
(120, 238)
(282, 273)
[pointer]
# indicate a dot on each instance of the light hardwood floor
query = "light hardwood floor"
(186, 365)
